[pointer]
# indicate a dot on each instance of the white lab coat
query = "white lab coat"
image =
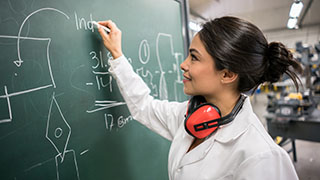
(240, 150)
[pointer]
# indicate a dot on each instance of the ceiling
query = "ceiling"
(268, 15)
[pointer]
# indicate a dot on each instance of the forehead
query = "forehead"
(197, 44)
(202, 53)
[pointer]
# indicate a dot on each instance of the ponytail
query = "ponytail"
(279, 60)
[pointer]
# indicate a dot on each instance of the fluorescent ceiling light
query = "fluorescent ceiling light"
(292, 23)
(194, 26)
(296, 8)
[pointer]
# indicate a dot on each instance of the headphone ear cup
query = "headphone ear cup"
(194, 102)
(217, 109)
(196, 122)
(204, 119)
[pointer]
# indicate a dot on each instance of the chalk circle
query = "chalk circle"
(58, 133)
(144, 52)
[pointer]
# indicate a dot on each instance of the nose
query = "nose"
(184, 66)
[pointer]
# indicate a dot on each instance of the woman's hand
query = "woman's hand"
(112, 40)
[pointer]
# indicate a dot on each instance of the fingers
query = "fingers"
(111, 40)
(102, 33)
(109, 24)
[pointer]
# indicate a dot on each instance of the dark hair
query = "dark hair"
(240, 46)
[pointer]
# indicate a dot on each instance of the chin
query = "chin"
(188, 92)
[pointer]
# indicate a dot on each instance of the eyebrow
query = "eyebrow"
(191, 50)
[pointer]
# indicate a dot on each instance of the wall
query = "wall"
(308, 35)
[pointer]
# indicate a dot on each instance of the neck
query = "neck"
(224, 101)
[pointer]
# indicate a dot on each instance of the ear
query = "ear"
(227, 76)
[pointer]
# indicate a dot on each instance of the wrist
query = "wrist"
(116, 55)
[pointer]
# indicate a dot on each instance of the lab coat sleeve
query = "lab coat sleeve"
(273, 164)
(160, 116)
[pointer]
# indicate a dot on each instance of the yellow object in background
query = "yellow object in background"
(295, 96)
(275, 88)
(314, 66)
(278, 139)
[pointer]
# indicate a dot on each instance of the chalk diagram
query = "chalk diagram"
(58, 133)
(161, 91)
(20, 61)
(58, 130)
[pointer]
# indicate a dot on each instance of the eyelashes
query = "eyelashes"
(193, 57)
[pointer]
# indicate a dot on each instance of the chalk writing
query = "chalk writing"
(82, 23)
(8, 95)
(162, 41)
(147, 76)
(83, 152)
(121, 121)
(58, 130)
(99, 59)
(19, 62)
(144, 52)
(109, 121)
(57, 123)
(103, 78)
(71, 160)
(101, 105)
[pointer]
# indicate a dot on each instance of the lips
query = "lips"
(186, 79)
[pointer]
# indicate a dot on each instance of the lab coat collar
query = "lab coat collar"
(237, 127)
(198, 153)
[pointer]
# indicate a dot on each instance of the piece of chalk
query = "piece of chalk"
(99, 25)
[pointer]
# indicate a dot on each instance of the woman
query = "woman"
(228, 57)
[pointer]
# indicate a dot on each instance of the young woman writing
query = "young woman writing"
(228, 57)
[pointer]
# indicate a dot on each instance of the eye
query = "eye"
(193, 57)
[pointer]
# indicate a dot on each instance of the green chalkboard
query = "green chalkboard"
(61, 114)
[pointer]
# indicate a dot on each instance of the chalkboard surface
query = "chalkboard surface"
(61, 114)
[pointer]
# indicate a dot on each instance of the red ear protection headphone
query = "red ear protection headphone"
(203, 119)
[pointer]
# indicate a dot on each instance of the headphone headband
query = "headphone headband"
(223, 120)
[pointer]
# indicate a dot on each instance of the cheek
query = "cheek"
(206, 82)
(206, 74)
